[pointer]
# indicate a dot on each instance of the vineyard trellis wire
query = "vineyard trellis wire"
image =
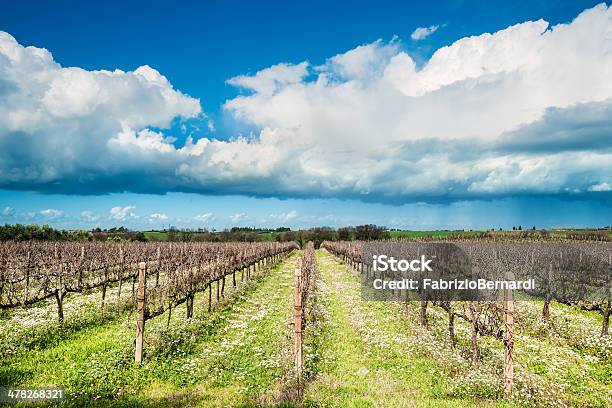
(539, 258)
(496, 318)
(198, 274)
(31, 272)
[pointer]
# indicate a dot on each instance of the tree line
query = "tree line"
(19, 232)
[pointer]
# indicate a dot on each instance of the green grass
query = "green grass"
(238, 355)
(36, 326)
(356, 352)
(560, 363)
(155, 235)
(359, 356)
(269, 236)
(373, 350)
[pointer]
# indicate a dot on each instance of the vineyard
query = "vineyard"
(265, 324)
(505, 326)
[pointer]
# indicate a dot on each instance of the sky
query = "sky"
(458, 115)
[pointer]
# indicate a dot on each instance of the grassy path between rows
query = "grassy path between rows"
(361, 353)
(237, 355)
(357, 353)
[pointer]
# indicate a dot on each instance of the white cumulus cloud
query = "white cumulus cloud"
(89, 216)
(122, 213)
(421, 33)
(268, 80)
(52, 213)
(284, 217)
(238, 217)
(205, 217)
(56, 122)
(601, 187)
(8, 211)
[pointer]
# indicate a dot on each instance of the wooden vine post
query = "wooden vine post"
(508, 342)
(27, 273)
(233, 274)
(120, 272)
(140, 310)
(59, 292)
(297, 321)
(81, 266)
(209, 296)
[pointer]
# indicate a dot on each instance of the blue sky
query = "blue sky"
(306, 114)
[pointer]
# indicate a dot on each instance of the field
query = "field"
(156, 236)
(443, 234)
(432, 234)
(559, 362)
(241, 353)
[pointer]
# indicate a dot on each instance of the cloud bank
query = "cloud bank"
(526, 110)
